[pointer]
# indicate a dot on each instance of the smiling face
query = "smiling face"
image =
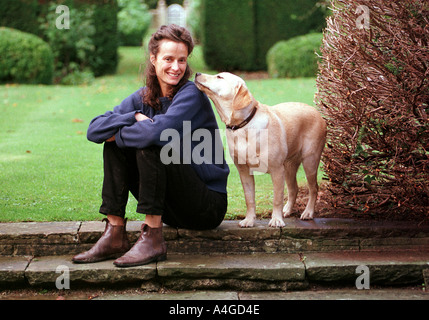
(170, 64)
(229, 94)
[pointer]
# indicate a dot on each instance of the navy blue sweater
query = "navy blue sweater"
(189, 114)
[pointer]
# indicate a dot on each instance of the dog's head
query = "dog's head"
(229, 93)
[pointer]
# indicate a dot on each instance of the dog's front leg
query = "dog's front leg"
(278, 178)
(248, 183)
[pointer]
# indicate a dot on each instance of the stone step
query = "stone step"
(246, 272)
(319, 235)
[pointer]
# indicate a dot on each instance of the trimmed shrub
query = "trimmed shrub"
(373, 88)
(295, 57)
(25, 58)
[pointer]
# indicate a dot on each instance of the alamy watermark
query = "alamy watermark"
(249, 147)
(63, 280)
(362, 22)
(63, 20)
(362, 282)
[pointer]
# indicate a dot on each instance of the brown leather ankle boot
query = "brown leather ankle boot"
(112, 244)
(150, 247)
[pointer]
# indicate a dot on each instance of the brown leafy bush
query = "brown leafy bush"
(373, 88)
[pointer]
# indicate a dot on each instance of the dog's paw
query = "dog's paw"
(276, 223)
(287, 210)
(306, 215)
(247, 223)
(286, 214)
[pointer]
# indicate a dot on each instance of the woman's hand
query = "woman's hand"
(141, 117)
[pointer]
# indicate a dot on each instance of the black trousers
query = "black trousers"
(173, 191)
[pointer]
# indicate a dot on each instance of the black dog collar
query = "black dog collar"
(245, 122)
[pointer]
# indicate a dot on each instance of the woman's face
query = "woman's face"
(170, 63)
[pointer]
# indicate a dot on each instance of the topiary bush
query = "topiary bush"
(295, 57)
(24, 58)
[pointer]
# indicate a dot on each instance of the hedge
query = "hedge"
(237, 35)
(282, 20)
(20, 14)
(228, 32)
(25, 58)
(295, 57)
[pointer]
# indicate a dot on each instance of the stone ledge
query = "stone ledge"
(320, 235)
(279, 272)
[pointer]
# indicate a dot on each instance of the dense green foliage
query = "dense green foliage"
(133, 22)
(228, 34)
(20, 14)
(238, 34)
(87, 48)
(25, 58)
(295, 57)
(105, 18)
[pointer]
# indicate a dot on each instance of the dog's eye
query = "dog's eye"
(219, 77)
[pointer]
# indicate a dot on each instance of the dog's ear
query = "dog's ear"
(242, 99)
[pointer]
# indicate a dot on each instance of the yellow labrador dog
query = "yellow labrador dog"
(274, 140)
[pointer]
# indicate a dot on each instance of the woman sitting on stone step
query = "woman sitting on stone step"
(151, 151)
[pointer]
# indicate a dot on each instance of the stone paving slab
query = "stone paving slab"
(46, 270)
(388, 268)
(340, 294)
(391, 294)
(12, 269)
(180, 296)
(41, 232)
(268, 267)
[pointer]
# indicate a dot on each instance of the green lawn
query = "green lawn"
(50, 172)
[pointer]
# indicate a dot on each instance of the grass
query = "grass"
(50, 172)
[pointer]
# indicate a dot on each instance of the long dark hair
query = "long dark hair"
(152, 92)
